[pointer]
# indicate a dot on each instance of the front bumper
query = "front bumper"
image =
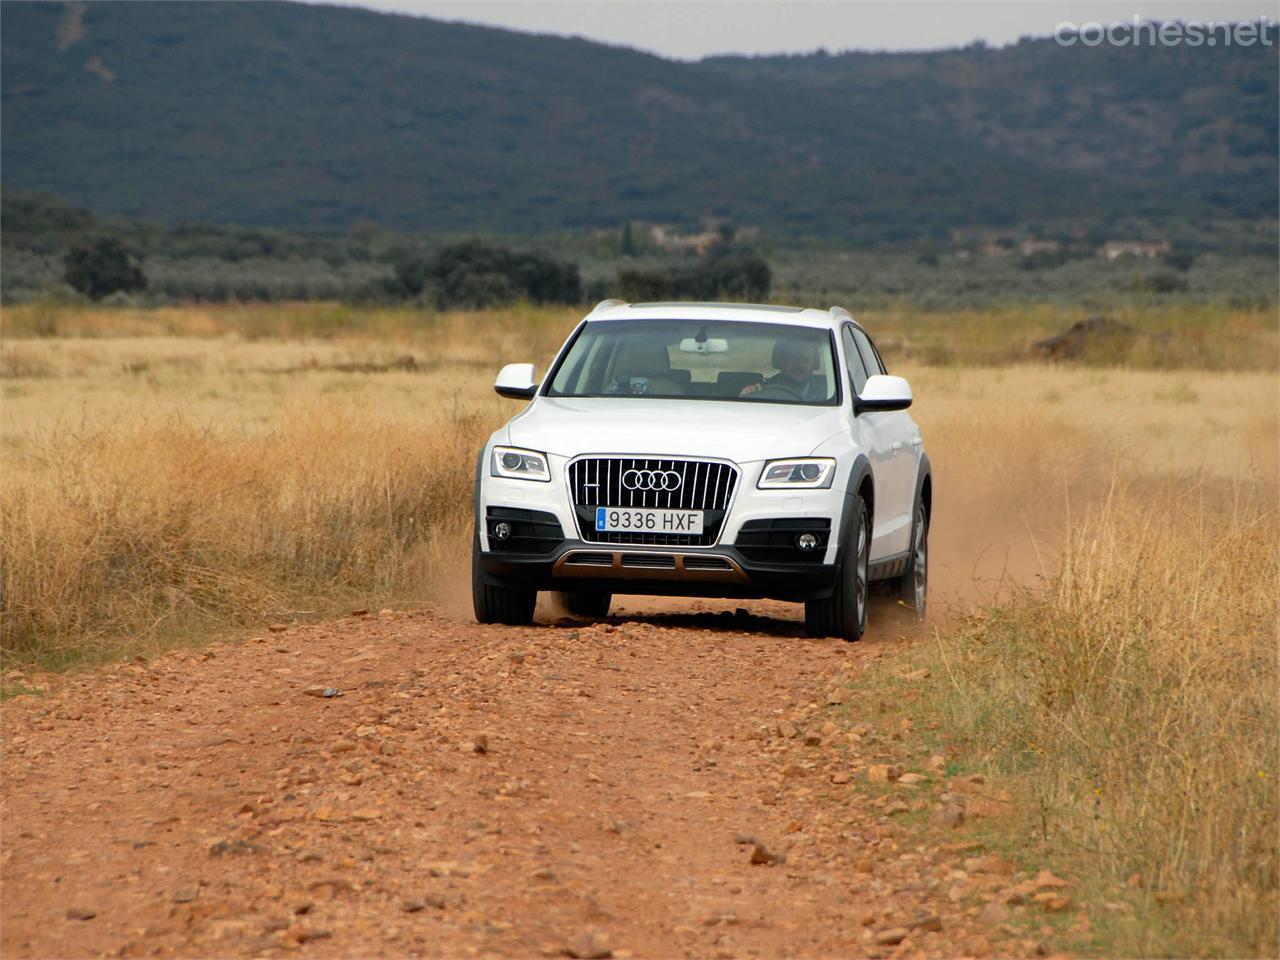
(748, 505)
(721, 571)
(548, 551)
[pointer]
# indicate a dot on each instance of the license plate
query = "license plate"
(628, 520)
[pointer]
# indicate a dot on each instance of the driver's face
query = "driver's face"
(797, 366)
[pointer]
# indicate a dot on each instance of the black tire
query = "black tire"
(498, 604)
(910, 592)
(591, 604)
(844, 613)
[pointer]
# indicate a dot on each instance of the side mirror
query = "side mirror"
(883, 393)
(515, 381)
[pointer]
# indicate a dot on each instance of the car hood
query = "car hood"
(729, 430)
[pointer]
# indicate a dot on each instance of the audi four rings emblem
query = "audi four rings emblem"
(651, 480)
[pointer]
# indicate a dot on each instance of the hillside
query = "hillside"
(321, 117)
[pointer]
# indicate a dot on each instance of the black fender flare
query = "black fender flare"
(925, 473)
(475, 496)
(860, 471)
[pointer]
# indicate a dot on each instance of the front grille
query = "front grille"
(703, 485)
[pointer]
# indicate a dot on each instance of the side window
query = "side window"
(857, 369)
(869, 355)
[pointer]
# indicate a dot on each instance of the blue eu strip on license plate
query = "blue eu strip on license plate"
(600, 521)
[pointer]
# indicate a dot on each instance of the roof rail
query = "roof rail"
(840, 312)
(611, 302)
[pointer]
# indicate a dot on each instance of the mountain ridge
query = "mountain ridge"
(316, 117)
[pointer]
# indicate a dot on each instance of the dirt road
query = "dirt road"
(556, 790)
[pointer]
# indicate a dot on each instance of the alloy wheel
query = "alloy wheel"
(860, 586)
(920, 561)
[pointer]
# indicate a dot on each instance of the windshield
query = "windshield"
(699, 359)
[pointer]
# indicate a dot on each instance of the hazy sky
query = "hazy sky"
(688, 30)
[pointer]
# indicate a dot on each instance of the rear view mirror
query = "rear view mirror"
(883, 392)
(712, 345)
(515, 381)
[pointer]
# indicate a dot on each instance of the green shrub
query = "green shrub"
(478, 274)
(640, 286)
(101, 267)
(721, 277)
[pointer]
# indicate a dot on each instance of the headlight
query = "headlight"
(517, 464)
(813, 474)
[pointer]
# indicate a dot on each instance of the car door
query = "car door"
(873, 434)
(905, 447)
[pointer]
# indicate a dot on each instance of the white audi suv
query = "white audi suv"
(711, 450)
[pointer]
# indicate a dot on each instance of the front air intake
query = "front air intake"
(581, 558)
(649, 561)
(706, 563)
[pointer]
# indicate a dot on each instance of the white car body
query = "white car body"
(877, 451)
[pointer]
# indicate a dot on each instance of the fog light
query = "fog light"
(501, 530)
(807, 541)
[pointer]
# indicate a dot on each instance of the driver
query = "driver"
(796, 363)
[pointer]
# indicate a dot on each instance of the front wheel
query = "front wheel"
(498, 604)
(844, 613)
(911, 590)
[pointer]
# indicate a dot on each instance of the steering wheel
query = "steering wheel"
(776, 391)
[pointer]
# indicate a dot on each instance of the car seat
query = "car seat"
(650, 360)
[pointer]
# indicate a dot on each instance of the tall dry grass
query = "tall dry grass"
(158, 488)
(165, 488)
(1134, 701)
(125, 540)
(1191, 336)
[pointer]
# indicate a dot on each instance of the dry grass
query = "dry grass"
(124, 541)
(159, 489)
(1132, 703)
(1189, 336)
(162, 486)
(23, 365)
(1015, 450)
(1111, 552)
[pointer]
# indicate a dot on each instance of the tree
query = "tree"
(644, 286)
(735, 276)
(101, 267)
(478, 274)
